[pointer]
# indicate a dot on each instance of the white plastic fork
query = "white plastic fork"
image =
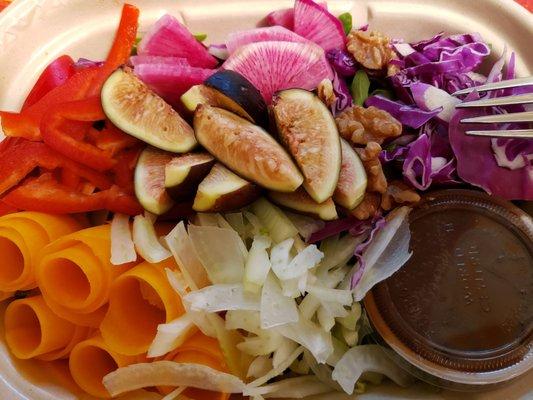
(526, 116)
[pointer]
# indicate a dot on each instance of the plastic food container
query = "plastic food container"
(460, 312)
(33, 32)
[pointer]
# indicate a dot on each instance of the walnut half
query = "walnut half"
(376, 181)
(371, 49)
(368, 207)
(359, 125)
(398, 193)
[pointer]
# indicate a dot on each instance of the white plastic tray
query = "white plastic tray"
(33, 32)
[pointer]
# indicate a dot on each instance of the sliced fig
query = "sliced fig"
(222, 190)
(300, 201)
(183, 173)
(149, 180)
(237, 89)
(308, 130)
(351, 186)
(138, 111)
(245, 148)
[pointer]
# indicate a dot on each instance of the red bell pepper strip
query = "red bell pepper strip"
(6, 209)
(85, 153)
(45, 194)
(54, 75)
(121, 48)
(124, 170)
(27, 123)
(112, 139)
(19, 159)
(4, 4)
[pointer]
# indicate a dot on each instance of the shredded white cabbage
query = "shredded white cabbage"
(220, 252)
(223, 297)
(245, 320)
(299, 265)
(276, 309)
(170, 373)
(122, 246)
(283, 351)
(274, 371)
(324, 294)
(260, 366)
(171, 335)
(364, 358)
(325, 319)
(236, 220)
(181, 247)
(257, 264)
(306, 225)
(296, 388)
(310, 336)
(146, 241)
(276, 223)
(387, 253)
(200, 318)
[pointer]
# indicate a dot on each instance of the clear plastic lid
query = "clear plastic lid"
(461, 309)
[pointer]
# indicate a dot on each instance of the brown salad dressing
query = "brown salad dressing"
(464, 300)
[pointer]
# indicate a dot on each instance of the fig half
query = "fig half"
(149, 180)
(308, 130)
(222, 190)
(351, 186)
(138, 111)
(301, 202)
(245, 148)
(184, 172)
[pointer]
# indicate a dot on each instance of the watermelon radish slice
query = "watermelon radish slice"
(316, 23)
(283, 17)
(138, 60)
(169, 37)
(273, 66)
(171, 81)
(268, 34)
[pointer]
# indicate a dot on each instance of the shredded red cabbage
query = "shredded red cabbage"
(342, 62)
(410, 116)
(377, 223)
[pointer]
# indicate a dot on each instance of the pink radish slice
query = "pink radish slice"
(138, 60)
(171, 81)
(283, 17)
(169, 37)
(316, 23)
(268, 34)
(273, 66)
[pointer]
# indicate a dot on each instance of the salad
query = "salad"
(192, 221)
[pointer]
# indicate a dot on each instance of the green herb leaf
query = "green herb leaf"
(384, 93)
(201, 36)
(134, 48)
(346, 19)
(360, 86)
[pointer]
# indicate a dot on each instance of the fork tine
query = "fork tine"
(511, 83)
(499, 118)
(504, 133)
(499, 101)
